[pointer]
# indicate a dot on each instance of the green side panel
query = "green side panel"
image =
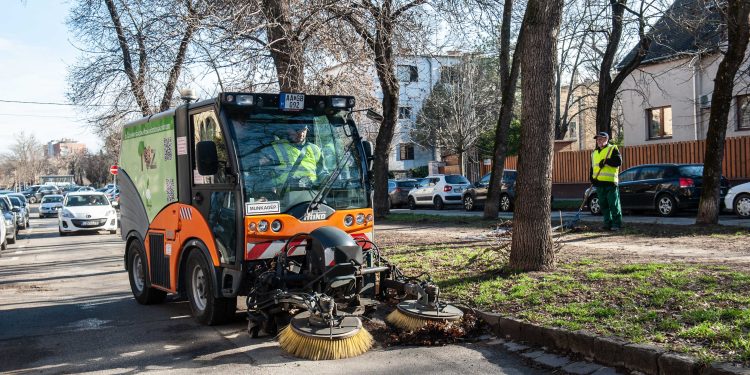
(147, 155)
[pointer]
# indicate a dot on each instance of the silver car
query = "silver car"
(51, 205)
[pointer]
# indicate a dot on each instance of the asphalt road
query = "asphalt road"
(66, 306)
(682, 218)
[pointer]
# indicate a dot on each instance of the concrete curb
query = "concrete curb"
(610, 351)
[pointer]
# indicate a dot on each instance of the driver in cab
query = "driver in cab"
(299, 162)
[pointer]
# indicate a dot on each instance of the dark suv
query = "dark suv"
(666, 188)
(46, 190)
(475, 196)
(398, 192)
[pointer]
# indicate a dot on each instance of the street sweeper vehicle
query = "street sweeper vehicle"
(264, 196)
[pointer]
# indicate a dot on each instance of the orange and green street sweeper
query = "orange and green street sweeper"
(265, 196)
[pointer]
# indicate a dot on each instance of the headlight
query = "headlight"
(263, 226)
(67, 214)
(360, 219)
(348, 220)
(111, 213)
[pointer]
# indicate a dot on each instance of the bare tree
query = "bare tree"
(26, 159)
(738, 34)
(532, 247)
(459, 109)
(379, 25)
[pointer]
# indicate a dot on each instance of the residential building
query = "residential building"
(668, 98)
(63, 147)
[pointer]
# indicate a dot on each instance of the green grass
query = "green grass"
(700, 310)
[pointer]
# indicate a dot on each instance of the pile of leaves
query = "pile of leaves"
(469, 328)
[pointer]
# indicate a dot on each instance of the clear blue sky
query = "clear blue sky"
(35, 52)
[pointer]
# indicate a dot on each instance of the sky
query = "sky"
(36, 49)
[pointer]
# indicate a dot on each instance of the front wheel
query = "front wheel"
(468, 203)
(438, 203)
(206, 308)
(412, 203)
(742, 205)
(12, 240)
(594, 206)
(137, 273)
(666, 205)
(32, 200)
(506, 205)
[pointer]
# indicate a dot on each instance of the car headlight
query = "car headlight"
(111, 213)
(67, 214)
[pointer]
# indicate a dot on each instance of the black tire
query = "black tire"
(412, 203)
(62, 234)
(207, 309)
(138, 276)
(4, 245)
(12, 240)
(113, 231)
(469, 203)
(32, 200)
(666, 205)
(506, 204)
(741, 206)
(41, 216)
(437, 203)
(594, 206)
(27, 223)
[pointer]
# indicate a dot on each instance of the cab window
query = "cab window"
(206, 128)
(628, 175)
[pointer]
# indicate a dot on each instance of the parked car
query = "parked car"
(30, 192)
(665, 188)
(22, 216)
(69, 188)
(398, 191)
(4, 242)
(438, 190)
(476, 195)
(738, 200)
(50, 205)
(9, 220)
(85, 188)
(87, 211)
(46, 190)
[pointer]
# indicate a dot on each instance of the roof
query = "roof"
(89, 192)
(688, 27)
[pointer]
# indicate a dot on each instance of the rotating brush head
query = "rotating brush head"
(411, 316)
(303, 340)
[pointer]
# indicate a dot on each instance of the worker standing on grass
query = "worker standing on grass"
(605, 165)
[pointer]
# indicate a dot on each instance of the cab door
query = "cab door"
(217, 196)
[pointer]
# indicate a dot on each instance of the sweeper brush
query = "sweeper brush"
(411, 315)
(303, 338)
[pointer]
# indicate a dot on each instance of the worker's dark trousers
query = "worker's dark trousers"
(609, 201)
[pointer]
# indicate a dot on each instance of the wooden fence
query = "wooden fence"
(573, 166)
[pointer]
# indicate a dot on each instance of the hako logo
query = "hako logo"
(314, 216)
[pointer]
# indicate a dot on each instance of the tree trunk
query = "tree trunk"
(508, 82)
(286, 48)
(737, 35)
(532, 248)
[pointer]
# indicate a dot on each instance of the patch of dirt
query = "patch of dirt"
(24, 288)
(638, 243)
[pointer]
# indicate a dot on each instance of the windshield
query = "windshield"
(16, 202)
(286, 158)
(456, 179)
(52, 199)
(86, 200)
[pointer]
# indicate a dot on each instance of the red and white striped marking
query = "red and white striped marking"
(186, 213)
(271, 249)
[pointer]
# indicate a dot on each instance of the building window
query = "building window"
(404, 113)
(407, 73)
(406, 151)
(659, 122)
(743, 112)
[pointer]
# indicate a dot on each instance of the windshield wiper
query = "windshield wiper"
(331, 177)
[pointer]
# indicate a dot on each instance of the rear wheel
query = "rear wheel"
(137, 273)
(666, 205)
(32, 200)
(12, 240)
(437, 202)
(506, 205)
(206, 308)
(594, 206)
(468, 203)
(412, 203)
(742, 205)
(4, 245)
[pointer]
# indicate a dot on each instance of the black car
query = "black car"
(398, 191)
(30, 192)
(665, 188)
(475, 196)
(46, 190)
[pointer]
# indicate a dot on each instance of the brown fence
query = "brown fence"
(573, 166)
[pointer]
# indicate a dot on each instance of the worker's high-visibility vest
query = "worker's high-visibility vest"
(608, 173)
(287, 153)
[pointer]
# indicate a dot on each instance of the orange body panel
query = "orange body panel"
(180, 223)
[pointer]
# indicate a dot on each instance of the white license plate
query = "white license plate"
(90, 222)
(292, 102)
(458, 190)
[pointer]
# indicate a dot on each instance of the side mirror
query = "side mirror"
(16, 209)
(206, 158)
(367, 145)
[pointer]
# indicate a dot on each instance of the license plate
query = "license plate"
(94, 222)
(458, 190)
(292, 102)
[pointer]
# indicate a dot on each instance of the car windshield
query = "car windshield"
(456, 179)
(691, 171)
(86, 200)
(52, 199)
(16, 202)
(276, 156)
(4, 205)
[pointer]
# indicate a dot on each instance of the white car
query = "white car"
(51, 205)
(738, 200)
(4, 243)
(87, 211)
(438, 190)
